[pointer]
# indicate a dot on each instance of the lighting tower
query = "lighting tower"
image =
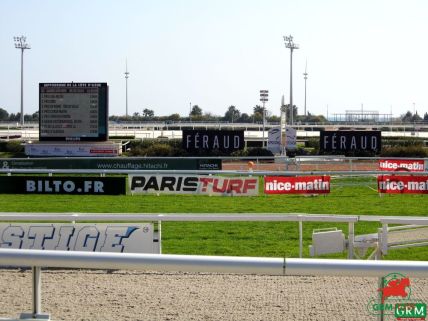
(126, 81)
(264, 94)
(291, 45)
(305, 76)
(20, 43)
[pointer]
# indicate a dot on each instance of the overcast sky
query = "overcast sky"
(366, 54)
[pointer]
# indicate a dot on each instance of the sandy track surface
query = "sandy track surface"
(95, 295)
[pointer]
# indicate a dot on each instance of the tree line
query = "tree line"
(232, 115)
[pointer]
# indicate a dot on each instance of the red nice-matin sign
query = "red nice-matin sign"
(409, 165)
(392, 184)
(297, 185)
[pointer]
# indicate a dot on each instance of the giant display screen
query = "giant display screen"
(73, 111)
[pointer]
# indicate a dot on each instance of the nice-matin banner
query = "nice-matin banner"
(408, 165)
(403, 184)
(193, 184)
(297, 185)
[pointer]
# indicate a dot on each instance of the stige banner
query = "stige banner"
(123, 238)
(194, 184)
(392, 184)
(297, 185)
(409, 165)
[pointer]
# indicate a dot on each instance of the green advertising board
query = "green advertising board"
(116, 163)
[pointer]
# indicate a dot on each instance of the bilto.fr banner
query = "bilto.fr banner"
(62, 185)
(297, 185)
(122, 238)
(193, 184)
(399, 184)
(409, 165)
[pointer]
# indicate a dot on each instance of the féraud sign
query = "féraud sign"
(350, 140)
(223, 140)
(193, 184)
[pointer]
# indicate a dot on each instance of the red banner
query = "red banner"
(297, 185)
(392, 184)
(408, 165)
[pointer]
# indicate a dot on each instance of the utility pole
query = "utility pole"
(264, 94)
(126, 80)
(305, 76)
(291, 45)
(20, 43)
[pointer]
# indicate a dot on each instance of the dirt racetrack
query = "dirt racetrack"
(95, 295)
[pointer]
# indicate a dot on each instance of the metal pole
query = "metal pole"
(300, 239)
(291, 87)
(351, 240)
(22, 87)
(264, 115)
(37, 290)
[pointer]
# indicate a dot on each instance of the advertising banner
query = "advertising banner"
(122, 238)
(297, 185)
(193, 184)
(394, 184)
(62, 185)
(350, 140)
(274, 140)
(409, 165)
(74, 150)
(223, 140)
(123, 163)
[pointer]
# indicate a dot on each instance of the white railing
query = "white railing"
(194, 263)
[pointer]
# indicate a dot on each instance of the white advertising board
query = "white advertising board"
(193, 184)
(125, 238)
(77, 149)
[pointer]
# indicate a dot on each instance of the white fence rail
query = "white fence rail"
(194, 263)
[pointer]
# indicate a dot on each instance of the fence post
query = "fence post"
(351, 236)
(37, 290)
(300, 237)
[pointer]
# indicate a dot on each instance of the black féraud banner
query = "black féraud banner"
(350, 140)
(62, 185)
(223, 140)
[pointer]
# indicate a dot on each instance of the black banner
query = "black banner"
(125, 163)
(62, 185)
(345, 141)
(208, 140)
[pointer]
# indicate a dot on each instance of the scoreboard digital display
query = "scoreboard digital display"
(73, 111)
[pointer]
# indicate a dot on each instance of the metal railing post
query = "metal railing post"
(37, 291)
(300, 238)
(351, 237)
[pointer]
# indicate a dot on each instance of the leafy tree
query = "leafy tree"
(288, 112)
(4, 115)
(196, 113)
(148, 113)
(245, 118)
(232, 114)
(426, 117)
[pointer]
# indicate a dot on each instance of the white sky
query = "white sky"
(221, 53)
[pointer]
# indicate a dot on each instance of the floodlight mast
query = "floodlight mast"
(291, 45)
(126, 81)
(20, 43)
(305, 76)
